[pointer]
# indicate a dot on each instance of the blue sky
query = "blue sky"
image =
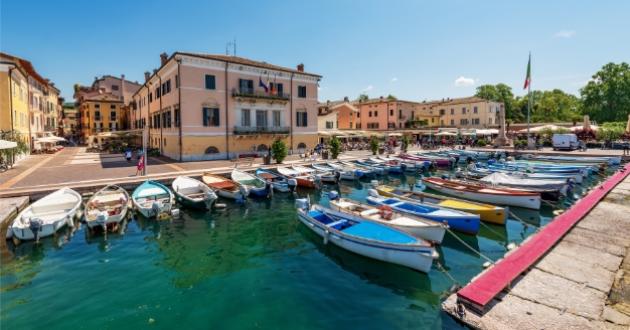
(413, 49)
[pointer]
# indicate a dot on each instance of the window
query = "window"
(261, 118)
(463, 110)
(372, 125)
(442, 112)
(413, 115)
(114, 87)
(329, 125)
(276, 88)
(276, 118)
(150, 97)
(164, 119)
(176, 81)
(399, 114)
(112, 116)
(302, 91)
(97, 115)
(97, 106)
(391, 112)
(301, 119)
(210, 82)
(474, 109)
(452, 111)
(246, 86)
(475, 121)
(463, 121)
(158, 94)
(452, 122)
(246, 120)
(370, 114)
(210, 116)
(490, 121)
(212, 150)
(112, 106)
(177, 120)
(110, 126)
(301, 145)
(168, 86)
(375, 113)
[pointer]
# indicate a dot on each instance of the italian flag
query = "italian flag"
(528, 78)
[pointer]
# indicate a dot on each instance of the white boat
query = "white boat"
(303, 180)
(379, 170)
(506, 180)
(328, 177)
(497, 196)
(256, 186)
(107, 208)
(406, 164)
(47, 215)
(225, 187)
(193, 193)
(418, 227)
(153, 199)
(368, 239)
(346, 173)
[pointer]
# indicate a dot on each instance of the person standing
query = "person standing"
(140, 167)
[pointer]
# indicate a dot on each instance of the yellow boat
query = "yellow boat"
(487, 212)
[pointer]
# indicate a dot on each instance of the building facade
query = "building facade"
(201, 106)
(14, 107)
(467, 112)
(70, 121)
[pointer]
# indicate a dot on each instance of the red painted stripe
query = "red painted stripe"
(482, 290)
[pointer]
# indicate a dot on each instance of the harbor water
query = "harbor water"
(251, 265)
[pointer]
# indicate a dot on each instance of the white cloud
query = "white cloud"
(564, 34)
(368, 88)
(464, 82)
(394, 79)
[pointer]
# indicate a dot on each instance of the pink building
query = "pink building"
(202, 106)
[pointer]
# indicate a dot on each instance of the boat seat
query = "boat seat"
(53, 206)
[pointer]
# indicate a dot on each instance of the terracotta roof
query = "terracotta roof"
(107, 97)
(28, 67)
(245, 61)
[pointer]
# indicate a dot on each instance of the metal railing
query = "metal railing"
(247, 130)
(250, 92)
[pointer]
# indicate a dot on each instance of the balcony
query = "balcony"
(254, 94)
(255, 130)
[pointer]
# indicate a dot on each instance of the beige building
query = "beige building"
(467, 112)
(203, 106)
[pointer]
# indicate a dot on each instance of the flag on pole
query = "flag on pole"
(262, 84)
(528, 78)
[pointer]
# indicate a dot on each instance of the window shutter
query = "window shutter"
(205, 116)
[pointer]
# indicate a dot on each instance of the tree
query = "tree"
(374, 144)
(607, 96)
(391, 97)
(279, 151)
(9, 154)
(499, 93)
(555, 105)
(487, 92)
(335, 147)
(363, 97)
(404, 143)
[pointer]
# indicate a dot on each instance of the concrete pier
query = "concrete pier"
(583, 282)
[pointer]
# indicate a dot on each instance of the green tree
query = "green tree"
(374, 144)
(279, 151)
(487, 92)
(499, 93)
(607, 96)
(363, 97)
(391, 97)
(404, 143)
(335, 147)
(554, 106)
(9, 154)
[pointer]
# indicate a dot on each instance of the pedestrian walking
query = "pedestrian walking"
(140, 167)
(128, 155)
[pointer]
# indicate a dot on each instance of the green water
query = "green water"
(248, 266)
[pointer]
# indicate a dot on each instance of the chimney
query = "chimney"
(345, 99)
(147, 75)
(155, 71)
(163, 58)
(122, 88)
(300, 67)
(381, 98)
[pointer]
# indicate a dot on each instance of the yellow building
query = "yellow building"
(465, 112)
(101, 113)
(14, 110)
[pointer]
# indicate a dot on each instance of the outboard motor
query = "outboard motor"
(211, 198)
(333, 195)
(373, 193)
(292, 183)
(302, 204)
(156, 208)
(35, 225)
(420, 185)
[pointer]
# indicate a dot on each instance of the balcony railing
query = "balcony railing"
(249, 130)
(252, 93)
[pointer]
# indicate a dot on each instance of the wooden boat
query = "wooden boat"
(498, 196)
(393, 167)
(409, 165)
(153, 199)
(363, 170)
(376, 169)
(457, 220)
(47, 215)
(419, 227)
(480, 172)
(347, 173)
(279, 182)
(107, 208)
(506, 180)
(225, 187)
(256, 186)
(487, 212)
(612, 160)
(502, 166)
(369, 239)
(307, 181)
(193, 193)
(328, 177)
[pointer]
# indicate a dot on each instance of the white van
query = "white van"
(565, 142)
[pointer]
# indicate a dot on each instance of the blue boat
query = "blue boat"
(280, 183)
(457, 220)
(152, 199)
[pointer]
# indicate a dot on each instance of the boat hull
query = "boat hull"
(529, 202)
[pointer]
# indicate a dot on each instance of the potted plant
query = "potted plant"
(279, 151)
(335, 147)
(374, 145)
(404, 143)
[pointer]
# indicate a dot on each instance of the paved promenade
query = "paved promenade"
(582, 283)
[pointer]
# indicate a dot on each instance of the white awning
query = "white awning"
(445, 134)
(4, 144)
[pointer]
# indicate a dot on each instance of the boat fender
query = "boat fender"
(220, 205)
(292, 182)
(374, 183)
(373, 193)
(302, 203)
(333, 195)
(487, 264)
(444, 177)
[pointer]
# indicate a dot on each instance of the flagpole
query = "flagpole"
(529, 103)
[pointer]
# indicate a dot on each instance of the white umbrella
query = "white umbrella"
(445, 134)
(4, 144)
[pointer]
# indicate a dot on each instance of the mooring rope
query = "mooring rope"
(470, 247)
(522, 221)
(492, 230)
(443, 270)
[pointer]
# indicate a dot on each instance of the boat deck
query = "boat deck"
(543, 285)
